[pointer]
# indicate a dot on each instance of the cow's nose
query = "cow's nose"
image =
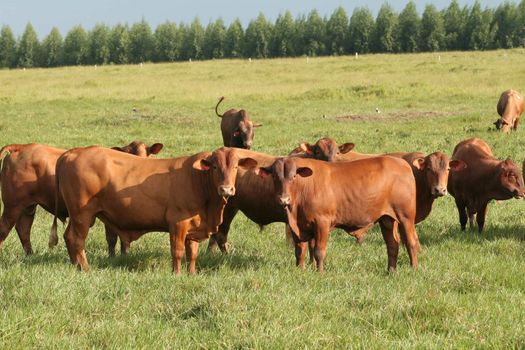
(440, 191)
(226, 191)
(284, 200)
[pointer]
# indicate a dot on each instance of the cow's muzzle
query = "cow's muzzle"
(439, 191)
(285, 201)
(226, 191)
(518, 194)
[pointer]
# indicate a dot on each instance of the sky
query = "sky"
(64, 14)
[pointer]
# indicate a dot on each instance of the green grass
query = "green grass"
(469, 289)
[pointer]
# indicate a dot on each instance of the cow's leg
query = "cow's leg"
(7, 221)
(515, 127)
(111, 238)
(178, 233)
(391, 241)
(321, 242)
(311, 250)
(407, 229)
(192, 251)
(75, 237)
(23, 228)
(462, 210)
(220, 238)
(480, 217)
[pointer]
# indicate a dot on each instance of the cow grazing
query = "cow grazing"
(236, 127)
(510, 108)
(318, 196)
(484, 178)
(324, 149)
(28, 180)
(184, 196)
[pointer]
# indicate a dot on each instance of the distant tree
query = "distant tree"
(52, 49)
(141, 42)
(193, 40)
(385, 30)
(283, 39)
(300, 42)
(478, 33)
(76, 46)
(214, 39)
(7, 48)
(168, 41)
(506, 22)
(28, 46)
(361, 30)
(409, 28)
(337, 32)
(432, 29)
(315, 34)
(257, 38)
(234, 40)
(99, 45)
(520, 33)
(453, 20)
(119, 44)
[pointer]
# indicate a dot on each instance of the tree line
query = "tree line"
(453, 28)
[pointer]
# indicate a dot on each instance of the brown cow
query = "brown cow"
(236, 127)
(184, 196)
(510, 108)
(354, 195)
(28, 180)
(430, 171)
(485, 178)
(324, 149)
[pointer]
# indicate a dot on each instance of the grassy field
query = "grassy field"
(469, 291)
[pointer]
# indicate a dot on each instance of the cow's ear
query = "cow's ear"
(419, 163)
(248, 163)
(258, 125)
(264, 171)
(306, 148)
(457, 165)
(304, 172)
(346, 147)
(155, 148)
(236, 133)
(202, 164)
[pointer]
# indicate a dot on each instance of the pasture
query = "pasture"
(468, 292)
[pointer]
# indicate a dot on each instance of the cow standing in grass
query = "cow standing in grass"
(510, 108)
(236, 127)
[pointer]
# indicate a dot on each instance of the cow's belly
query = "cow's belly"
(129, 214)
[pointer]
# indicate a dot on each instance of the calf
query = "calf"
(510, 108)
(184, 196)
(28, 180)
(484, 178)
(236, 127)
(319, 196)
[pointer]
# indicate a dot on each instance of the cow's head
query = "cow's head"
(435, 168)
(511, 179)
(223, 164)
(325, 149)
(284, 172)
(140, 149)
(244, 131)
(503, 125)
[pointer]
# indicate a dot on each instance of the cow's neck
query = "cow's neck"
(424, 197)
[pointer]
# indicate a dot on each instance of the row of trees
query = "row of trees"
(453, 28)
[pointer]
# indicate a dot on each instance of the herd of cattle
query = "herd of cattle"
(316, 188)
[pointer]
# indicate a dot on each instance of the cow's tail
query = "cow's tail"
(4, 151)
(217, 106)
(53, 237)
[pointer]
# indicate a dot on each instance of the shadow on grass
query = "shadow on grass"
(472, 236)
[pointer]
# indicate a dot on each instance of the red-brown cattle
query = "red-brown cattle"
(510, 108)
(484, 178)
(184, 196)
(236, 127)
(318, 196)
(28, 180)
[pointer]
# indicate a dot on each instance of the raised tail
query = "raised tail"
(217, 106)
(53, 237)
